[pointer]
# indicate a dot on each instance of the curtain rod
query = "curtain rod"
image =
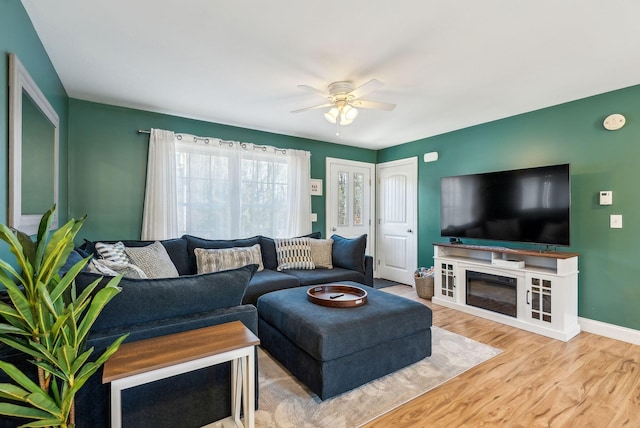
(206, 141)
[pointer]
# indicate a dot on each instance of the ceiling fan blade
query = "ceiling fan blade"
(375, 105)
(313, 107)
(314, 91)
(364, 89)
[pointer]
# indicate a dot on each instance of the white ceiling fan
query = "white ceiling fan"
(344, 100)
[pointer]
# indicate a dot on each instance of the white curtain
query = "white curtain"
(160, 220)
(224, 189)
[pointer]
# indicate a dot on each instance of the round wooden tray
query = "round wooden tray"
(337, 295)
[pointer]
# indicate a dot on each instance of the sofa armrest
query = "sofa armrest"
(368, 270)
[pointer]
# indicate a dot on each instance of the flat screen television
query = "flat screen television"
(531, 205)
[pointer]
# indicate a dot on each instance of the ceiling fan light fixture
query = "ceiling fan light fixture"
(332, 115)
(345, 122)
(349, 113)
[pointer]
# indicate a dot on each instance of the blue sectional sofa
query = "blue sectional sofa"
(149, 308)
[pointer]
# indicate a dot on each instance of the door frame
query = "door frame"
(411, 162)
(371, 236)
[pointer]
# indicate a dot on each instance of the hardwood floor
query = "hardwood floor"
(590, 381)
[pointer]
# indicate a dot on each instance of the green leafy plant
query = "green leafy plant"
(49, 322)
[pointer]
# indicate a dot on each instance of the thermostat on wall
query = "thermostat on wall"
(606, 197)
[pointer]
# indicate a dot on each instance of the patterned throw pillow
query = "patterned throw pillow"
(112, 252)
(294, 253)
(219, 259)
(321, 252)
(153, 260)
(105, 267)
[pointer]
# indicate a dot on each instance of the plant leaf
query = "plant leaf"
(67, 280)
(11, 315)
(90, 368)
(97, 304)
(10, 409)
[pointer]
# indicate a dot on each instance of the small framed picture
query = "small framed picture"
(316, 187)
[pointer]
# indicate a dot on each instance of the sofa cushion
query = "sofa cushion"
(321, 250)
(194, 242)
(105, 267)
(324, 276)
(266, 282)
(348, 253)
(294, 253)
(147, 300)
(216, 260)
(153, 260)
(112, 252)
(268, 249)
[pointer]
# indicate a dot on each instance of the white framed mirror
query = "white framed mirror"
(33, 151)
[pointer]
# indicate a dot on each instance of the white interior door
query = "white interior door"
(397, 220)
(350, 196)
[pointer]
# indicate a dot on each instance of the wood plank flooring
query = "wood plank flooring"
(590, 381)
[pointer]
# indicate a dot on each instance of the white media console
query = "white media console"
(531, 290)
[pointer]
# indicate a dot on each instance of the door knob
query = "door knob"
(409, 231)
(333, 229)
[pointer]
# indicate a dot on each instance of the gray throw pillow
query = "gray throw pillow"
(153, 260)
(219, 259)
(321, 253)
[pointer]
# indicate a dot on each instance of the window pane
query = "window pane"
(358, 197)
(223, 196)
(343, 194)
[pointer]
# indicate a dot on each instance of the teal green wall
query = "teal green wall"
(107, 163)
(107, 159)
(609, 283)
(17, 35)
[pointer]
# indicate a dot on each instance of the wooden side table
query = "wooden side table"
(144, 361)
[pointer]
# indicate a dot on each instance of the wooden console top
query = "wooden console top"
(540, 253)
(159, 352)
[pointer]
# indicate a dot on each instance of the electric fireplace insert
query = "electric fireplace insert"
(492, 292)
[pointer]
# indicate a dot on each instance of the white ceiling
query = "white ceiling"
(446, 64)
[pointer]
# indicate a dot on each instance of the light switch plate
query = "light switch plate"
(314, 217)
(616, 221)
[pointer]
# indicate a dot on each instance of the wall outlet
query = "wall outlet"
(616, 221)
(314, 217)
(606, 197)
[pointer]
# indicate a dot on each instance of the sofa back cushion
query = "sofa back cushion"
(194, 242)
(348, 253)
(147, 300)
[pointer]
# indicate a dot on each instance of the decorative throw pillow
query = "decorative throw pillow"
(220, 259)
(153, 260)
(112, 252)
(294, 253)
(321, 253)
(349, 253)
(105, 267)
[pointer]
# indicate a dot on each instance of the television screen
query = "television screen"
(524, 205)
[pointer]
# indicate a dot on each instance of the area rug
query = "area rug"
(287, 403)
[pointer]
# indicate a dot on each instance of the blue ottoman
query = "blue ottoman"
(333, 350)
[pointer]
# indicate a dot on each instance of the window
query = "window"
(227, 191)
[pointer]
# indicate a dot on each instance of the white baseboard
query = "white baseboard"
(610, 330)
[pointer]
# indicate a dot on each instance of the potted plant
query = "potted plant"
(47, 321)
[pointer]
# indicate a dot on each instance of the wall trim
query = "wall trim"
(610, 330)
